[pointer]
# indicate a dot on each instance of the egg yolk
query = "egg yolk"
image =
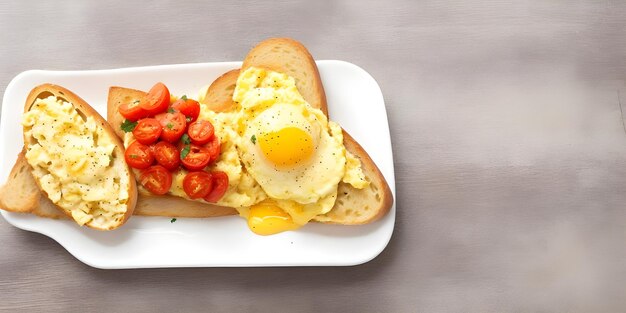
(287, 147)
(268, 219)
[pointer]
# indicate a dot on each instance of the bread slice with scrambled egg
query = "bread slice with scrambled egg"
(76, 159)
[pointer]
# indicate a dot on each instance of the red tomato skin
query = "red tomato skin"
(190, 108)
(220, 185)
(197, 184)
(197, 158)
(173, 125)
(157, 179)
(132, 111)
(157, 100)
(201, 132)
(167, 155)
(147, 131)
(138, 155)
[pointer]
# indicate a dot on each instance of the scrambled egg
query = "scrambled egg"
(73, 159)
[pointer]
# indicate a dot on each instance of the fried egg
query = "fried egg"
(290, 148)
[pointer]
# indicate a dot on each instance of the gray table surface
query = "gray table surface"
(509, 148)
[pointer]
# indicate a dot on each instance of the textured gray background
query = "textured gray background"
(509, 148)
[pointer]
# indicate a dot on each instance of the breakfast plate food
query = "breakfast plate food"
(184, 222)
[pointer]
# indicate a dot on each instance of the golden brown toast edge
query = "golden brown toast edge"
(284, 47)
(219, 95)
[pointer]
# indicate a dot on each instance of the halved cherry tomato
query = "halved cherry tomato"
(157, 100)
(138, 155)
(220, 185)
(147, 131)
(189, 107)
(214, 148)
(200, 132)
(197, 184)
(197, 158)
(167, 155)
(132, 110)
(156, 179)
(173, 124)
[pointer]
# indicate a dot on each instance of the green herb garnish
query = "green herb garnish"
(133, 156)
(171, 110)
(128, 126)
(184, 97)
(173, 220)
(187, 142)
(169, 125)
(185, 151)
(185, 139)
(253, 139)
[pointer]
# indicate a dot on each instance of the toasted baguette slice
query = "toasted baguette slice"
(149, 204)
(219, 96)
(118, 163)
(21, 193)
(288, 56)
(353, 206)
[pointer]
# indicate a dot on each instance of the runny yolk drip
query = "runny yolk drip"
(266, 218)
(287, 147)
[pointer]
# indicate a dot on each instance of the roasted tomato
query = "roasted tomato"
(167, 155)
(173, 125)
(197, 158)
(197, 184)
(138, 155)
(157, 100)
(220, 185)
(214, 148)
(147, 131)
(156, 179)
(189, 107)
(201, 132)
(132, 110)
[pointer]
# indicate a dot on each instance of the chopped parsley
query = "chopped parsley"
(253, 139)
(171, 110)
(184, 97)
(133, 156)
(128, 126)
(185, 139)
(169, 125)
(185, 151)
(173, 220)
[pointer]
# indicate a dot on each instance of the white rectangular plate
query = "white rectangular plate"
(354, 100)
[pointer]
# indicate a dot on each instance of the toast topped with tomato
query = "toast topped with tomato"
(352, 204)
